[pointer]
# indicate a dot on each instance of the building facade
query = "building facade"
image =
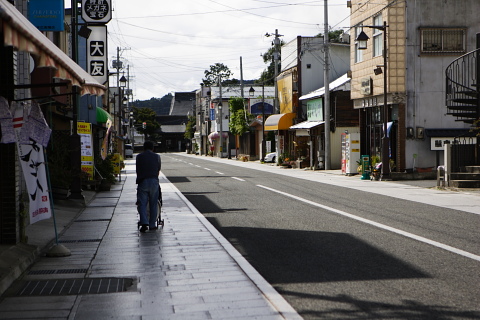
(423, 38)
(302, 72)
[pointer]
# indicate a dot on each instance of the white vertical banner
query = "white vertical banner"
(32, 159)
(97, 64)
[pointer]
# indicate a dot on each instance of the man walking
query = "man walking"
(148, 165)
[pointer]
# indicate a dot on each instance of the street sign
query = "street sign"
(97, 53)
(97, 11)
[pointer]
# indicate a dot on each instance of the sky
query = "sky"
(169, 44)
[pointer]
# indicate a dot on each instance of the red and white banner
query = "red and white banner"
(32, 159)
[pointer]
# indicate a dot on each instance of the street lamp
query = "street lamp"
(251, 92)
(362, 39)
(123, 81)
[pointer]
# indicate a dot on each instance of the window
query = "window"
(443, 40)
(358, 52)
(377, 37)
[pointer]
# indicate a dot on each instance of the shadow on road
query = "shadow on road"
(294, 256)
(348, 307)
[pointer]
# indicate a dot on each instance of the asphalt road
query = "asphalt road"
(335, 253)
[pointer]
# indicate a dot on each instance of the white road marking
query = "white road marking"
(219, 172)
(237, 179)
(207, 169)
(381, 226)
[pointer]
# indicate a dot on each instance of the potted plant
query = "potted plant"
(196, 147)
(105, 169)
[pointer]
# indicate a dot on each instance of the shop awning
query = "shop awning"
(21, 34)
(103, 116)
(282, 121)
(307, 125)
(340, 84)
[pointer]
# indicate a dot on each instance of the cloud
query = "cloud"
(169, 45)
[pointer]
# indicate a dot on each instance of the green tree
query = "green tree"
(148, 116)
(211, 75)
(239, 118)
(268, 58)
(334, 36)
(190, 128)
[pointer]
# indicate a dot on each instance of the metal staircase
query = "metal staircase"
(463, 87)
(463, 102)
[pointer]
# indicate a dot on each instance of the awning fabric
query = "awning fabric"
(21, 34)
(282, 121)
(307, 125)
(103, 116)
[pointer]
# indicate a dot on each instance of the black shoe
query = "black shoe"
(153, 228)
(144, 228)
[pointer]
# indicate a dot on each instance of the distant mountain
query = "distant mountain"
(160, 106)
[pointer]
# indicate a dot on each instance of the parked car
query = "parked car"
(271, 157)
(128, 151)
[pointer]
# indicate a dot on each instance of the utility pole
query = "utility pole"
(220, 107)
(276, 57)
(263, 122)
(241, 78)
(326, 80)
(75, 146)
(118, 105)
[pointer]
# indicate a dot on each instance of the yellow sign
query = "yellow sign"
(84, 130)
(285, 93)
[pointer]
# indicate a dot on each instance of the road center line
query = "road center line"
(237, 179)
(379, 225)
(218, 172)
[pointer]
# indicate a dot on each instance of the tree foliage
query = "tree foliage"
(334, 36)
(148, 116)
(160, 106)
(238, 116)
(268, 58)
(190, 128)
(217, 69)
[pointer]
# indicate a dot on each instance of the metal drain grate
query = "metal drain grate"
(93, 220)
(83, 240)
(58, 271)
(75, 286)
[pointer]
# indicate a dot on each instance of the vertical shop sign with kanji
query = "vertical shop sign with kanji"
(97, 53)
(96, 11)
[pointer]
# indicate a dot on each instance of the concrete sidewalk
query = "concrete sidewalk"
(186, 270)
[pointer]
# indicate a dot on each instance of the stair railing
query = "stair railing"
(462, 87)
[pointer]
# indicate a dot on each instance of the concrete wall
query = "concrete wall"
(311, 61)
(425, 77)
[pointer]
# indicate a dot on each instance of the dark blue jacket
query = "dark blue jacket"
(148, 165)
